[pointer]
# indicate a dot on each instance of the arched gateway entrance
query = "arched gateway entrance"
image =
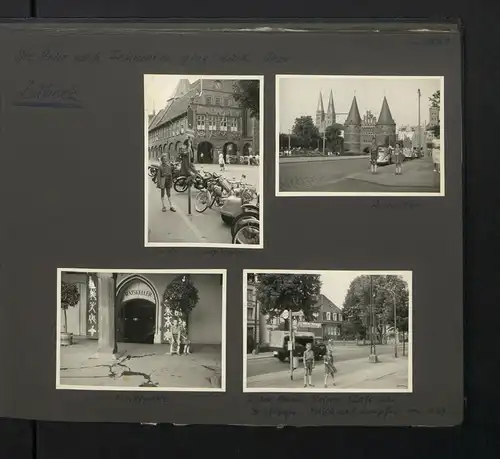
(137, 309)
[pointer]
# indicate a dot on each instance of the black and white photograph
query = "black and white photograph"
(359, 135)
(203, 161)
(327, 331)
(144, 330)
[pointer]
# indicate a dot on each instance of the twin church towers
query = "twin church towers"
(358, 132)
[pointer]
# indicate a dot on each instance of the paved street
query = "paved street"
(354, 370)
(352, 174)
(179, 227)
(139, 366)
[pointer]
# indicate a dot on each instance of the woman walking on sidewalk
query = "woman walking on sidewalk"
(164, 180)
(373, 156)
(330, 369)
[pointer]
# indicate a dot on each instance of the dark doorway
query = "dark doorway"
(229, 148)
(139, 321)
(205, 153)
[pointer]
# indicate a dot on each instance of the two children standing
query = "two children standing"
(178, 337)
(309, 364)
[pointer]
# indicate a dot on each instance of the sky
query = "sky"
(159, 88)
(299, 97)
(336, 284)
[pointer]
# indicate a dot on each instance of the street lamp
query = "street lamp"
(373, 349)
(393, 294)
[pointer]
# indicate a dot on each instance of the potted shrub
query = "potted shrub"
(70, 296)
(181, 297)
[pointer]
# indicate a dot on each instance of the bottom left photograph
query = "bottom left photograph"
(141, 330)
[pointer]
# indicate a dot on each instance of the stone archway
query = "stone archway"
(247, 149)
(138, 311)
(205, 152)
(178, 146)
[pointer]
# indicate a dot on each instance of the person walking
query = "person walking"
(164, 180)
(308, 358)
(330, 369)
(398, 158)
(373, 156)
(222, 163)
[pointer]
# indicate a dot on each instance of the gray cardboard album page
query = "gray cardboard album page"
(231, 223)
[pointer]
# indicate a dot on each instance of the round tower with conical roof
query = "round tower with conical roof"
(352, 129)
(385, 130)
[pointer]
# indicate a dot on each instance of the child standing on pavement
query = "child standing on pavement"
(164, 180)
(308, 365)
(175, 338)
(373, 155)
(398, 158)
(187, 344)
(330, 369)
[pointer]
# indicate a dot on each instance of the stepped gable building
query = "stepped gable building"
(325, 119)
(358, 133)
(221, 124)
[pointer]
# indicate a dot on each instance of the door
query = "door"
(139, 321)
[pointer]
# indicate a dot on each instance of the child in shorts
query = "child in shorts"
(164, 180)
(308, 365)
(398, 158)
(330, 369)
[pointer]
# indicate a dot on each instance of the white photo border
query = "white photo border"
(60, 386)
(335, 390)
(207, 245)
(442, 154)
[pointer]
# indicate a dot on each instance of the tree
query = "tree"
(384, 288)
(247, 94)
(435, 99)
(180, 298)
(70, 296)
(333, 137)
(277, 293)
(306, 131)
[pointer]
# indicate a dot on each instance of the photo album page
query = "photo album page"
(244, 224)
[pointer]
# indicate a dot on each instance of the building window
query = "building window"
(211, 123)
(334, 316)
(200, 122)
(340, 317)
(328, 316)
(223, 123)
(324, 316)
(226, 101)
(233, 123)
(250, 295)
(250, 313)
(217, 101)
(208, 100)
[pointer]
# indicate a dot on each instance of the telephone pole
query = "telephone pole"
(419, 126)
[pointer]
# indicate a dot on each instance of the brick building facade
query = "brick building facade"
(221, 124)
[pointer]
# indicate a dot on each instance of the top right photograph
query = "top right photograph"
(344, 135)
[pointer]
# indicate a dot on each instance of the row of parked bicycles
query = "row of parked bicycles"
(237, 201)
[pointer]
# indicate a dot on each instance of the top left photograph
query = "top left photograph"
(203, 161)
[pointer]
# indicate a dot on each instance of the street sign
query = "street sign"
(284, 315)
(309, 325)
(290, 346)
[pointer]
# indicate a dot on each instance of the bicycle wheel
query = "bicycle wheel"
(180, 184)
(241, 219)
(202, 201)
(248, 233)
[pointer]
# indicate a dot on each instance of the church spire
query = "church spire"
(321, 107)
(354, 117)
(385, 117)
(331, 107)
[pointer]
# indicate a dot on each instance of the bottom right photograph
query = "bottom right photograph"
(327, 331)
